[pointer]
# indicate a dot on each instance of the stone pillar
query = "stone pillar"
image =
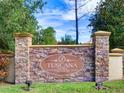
(101, 44)
(120, 51)
(22, 43)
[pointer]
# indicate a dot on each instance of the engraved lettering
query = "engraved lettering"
(61, 64)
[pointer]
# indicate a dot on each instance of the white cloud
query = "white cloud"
(50, 13)
(72, 2)
(46, 23)
(88, 8)
(53, 12)
(49, 18)
(69, 15)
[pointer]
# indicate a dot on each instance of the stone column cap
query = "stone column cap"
(71, 46)
(115, 54)
(24, 34)
(102, 33)
(117, 50)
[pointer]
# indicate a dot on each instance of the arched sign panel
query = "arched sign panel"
(61, 64)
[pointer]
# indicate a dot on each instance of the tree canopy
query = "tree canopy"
(46, 36)
(109, 16)
(19, 16)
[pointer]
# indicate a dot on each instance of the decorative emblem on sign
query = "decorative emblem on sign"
(61, 64)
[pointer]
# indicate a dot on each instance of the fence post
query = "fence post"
(101, 44)
(22, 43)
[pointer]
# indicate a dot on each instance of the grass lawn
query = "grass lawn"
(84, 87)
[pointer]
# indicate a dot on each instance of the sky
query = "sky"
(60, 15)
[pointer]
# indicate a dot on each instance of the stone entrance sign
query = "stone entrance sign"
(61, 64)
(46, 63)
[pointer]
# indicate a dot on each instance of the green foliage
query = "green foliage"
(109, 16)
(3, 43)
(17, 16)
(45, 37)
(67, 40)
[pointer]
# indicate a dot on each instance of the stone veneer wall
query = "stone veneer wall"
(101, 41)
(95, 59)
(85, 53)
